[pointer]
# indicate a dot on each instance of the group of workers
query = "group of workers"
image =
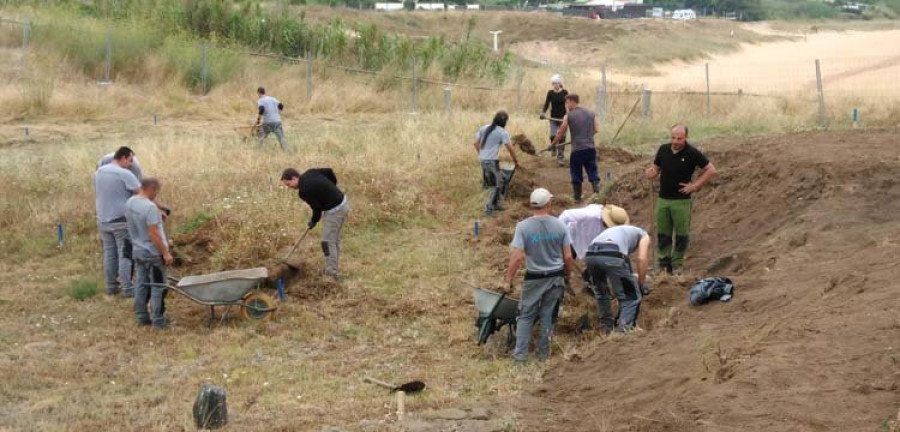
(131, 221)
(601, 237)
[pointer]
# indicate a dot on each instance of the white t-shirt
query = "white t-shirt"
(584, 224)
(270, 106)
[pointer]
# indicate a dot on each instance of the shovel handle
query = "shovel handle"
(379, 382)
(296, 243)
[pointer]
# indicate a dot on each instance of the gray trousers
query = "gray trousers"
(492, 180)
(112, 236)
(560, 152)
(331, 238)
(539, 299)
(268, 128)
(150, 290)
(606, 271)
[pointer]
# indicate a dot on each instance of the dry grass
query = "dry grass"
(404, 312)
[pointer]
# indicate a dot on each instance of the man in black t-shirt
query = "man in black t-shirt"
(318, 188)
(675, 163)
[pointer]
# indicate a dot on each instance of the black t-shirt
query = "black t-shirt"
(318, 187)
(557, 103)
(677, 168)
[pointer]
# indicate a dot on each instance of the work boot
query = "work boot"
(576, 189)
(595, 186)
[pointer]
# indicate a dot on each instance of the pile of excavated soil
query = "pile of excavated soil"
(806, 225)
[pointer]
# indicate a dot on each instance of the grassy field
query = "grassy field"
(73, 361)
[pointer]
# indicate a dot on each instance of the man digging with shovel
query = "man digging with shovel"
(318, 188)
(583, 123)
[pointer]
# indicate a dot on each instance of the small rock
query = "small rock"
(370, 425)
(479, 414)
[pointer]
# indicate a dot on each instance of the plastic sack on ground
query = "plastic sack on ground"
(714, 288)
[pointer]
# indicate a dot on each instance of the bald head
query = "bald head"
(679, 137)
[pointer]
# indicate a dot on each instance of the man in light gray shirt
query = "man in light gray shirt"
(608, 263)
(150, 250)
(135, 167)
(488, 141)
(542, 243)
(270, 116)
(114, 185)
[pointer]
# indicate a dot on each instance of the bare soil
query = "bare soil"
(806, 226)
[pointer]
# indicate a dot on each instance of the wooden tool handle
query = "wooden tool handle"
(378, 382)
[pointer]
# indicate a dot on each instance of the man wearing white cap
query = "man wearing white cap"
(608, 263)
(556, 101)
(542, 243)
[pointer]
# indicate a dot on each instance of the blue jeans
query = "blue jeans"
(151, 290)
(113, 236)
(583, 159)
(539, 299)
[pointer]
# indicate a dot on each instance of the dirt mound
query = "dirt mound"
(806, 226)
(524, 144)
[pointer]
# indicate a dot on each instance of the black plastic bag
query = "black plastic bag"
(714, 288)
(210, 410)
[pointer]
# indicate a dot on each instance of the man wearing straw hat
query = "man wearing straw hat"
(542, 243)
(608, 263)
(586, 223)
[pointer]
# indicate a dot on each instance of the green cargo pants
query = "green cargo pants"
(672, 217)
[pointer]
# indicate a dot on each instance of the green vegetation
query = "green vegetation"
(81, 290)
(230, 24)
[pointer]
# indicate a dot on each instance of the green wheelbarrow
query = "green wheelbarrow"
(495, 310)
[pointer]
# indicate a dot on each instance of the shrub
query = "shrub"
(81, 290)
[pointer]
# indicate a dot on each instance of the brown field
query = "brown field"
(803, 222)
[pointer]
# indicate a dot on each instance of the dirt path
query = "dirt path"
(810, 341)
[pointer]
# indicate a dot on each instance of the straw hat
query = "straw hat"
(614, 215)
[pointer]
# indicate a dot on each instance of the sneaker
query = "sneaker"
(142, 323)
(561, 163)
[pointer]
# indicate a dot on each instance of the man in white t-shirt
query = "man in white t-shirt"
(586, 223)
(270, 116)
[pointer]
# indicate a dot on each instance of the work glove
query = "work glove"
(543, 116)
(311, 225)
(645, 289)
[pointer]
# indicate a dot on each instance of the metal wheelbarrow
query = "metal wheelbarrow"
(229, 288)
(507, 169)
(495, 310)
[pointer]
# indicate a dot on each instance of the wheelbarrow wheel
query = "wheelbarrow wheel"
(256, 307)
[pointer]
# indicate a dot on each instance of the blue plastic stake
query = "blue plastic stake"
(280, 289)
(476, 229)
(60, 235)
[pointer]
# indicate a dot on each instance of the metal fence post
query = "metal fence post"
(447, 100)
(708, 109)
(107, 77)
(26, 34)
(309, 83)
(601, 103)
(520, 76)
(204, 71)
(645, 102)
(415, 88)
(822, 118)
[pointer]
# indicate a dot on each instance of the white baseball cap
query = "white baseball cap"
(540, 197)
(556, 79)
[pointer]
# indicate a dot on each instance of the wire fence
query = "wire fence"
(816, 90)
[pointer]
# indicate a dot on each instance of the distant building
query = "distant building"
(389, 6)
(607, 9)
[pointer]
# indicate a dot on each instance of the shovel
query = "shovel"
(293, 248)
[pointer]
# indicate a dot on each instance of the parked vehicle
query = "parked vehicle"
(684, 14)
